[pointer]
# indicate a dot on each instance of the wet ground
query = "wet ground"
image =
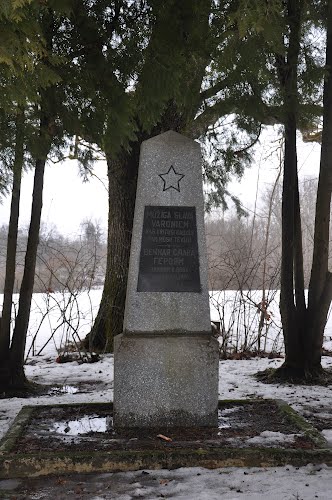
(90, 427)
(282, 483)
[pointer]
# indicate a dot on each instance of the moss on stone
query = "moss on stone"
(42, 463)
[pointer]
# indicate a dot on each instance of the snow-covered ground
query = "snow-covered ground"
(236, 381)
(59, 318)
(94, 383)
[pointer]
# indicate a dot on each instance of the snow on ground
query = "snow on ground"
(61, 317)
(236, 381)
(236, 309)
(281, 483)
(94, 383)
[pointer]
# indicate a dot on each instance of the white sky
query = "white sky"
(265, 168)
(67, 201)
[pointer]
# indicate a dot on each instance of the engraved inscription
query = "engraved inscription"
(169, 260)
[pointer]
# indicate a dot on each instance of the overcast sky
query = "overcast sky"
(265, 168)
(67, 201)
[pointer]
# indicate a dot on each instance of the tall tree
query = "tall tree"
(11, 248)
(292, 277)
(320, 288)
(303, 322)
(297, 89)
(65, 95)
(177, 86)
(222, 70)
(19, 57)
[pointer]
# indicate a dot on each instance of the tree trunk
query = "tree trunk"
(122, 177)
(292, 308)
(320, 287)
(17, 348)
(287, 305)
(11, 253)
(303, 326)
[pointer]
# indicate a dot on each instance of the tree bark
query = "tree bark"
(298, 254)
(287, 305)
(122, 177)
(303, 326)
(17, 348)
(11, 253)
(320, 288)
(292, 308)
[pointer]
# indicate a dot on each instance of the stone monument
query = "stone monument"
(166, 360)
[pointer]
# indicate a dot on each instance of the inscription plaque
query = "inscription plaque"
(169, 260)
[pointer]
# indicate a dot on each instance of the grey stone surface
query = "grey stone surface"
(169, 312)
(166, 361)
(166, 380)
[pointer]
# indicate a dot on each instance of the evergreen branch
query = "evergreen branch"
(266, 115)
(239, 152)
(246, 105)
(214, 89)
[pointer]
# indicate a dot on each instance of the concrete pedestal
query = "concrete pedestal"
(165, 380)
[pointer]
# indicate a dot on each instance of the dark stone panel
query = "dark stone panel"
(169, 259)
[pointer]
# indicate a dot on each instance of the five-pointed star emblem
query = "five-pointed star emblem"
(171, 179)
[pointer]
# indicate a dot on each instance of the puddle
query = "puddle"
(95, 423)
(65, 389)
(83, 425)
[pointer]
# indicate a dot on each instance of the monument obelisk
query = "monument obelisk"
(166, 360)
